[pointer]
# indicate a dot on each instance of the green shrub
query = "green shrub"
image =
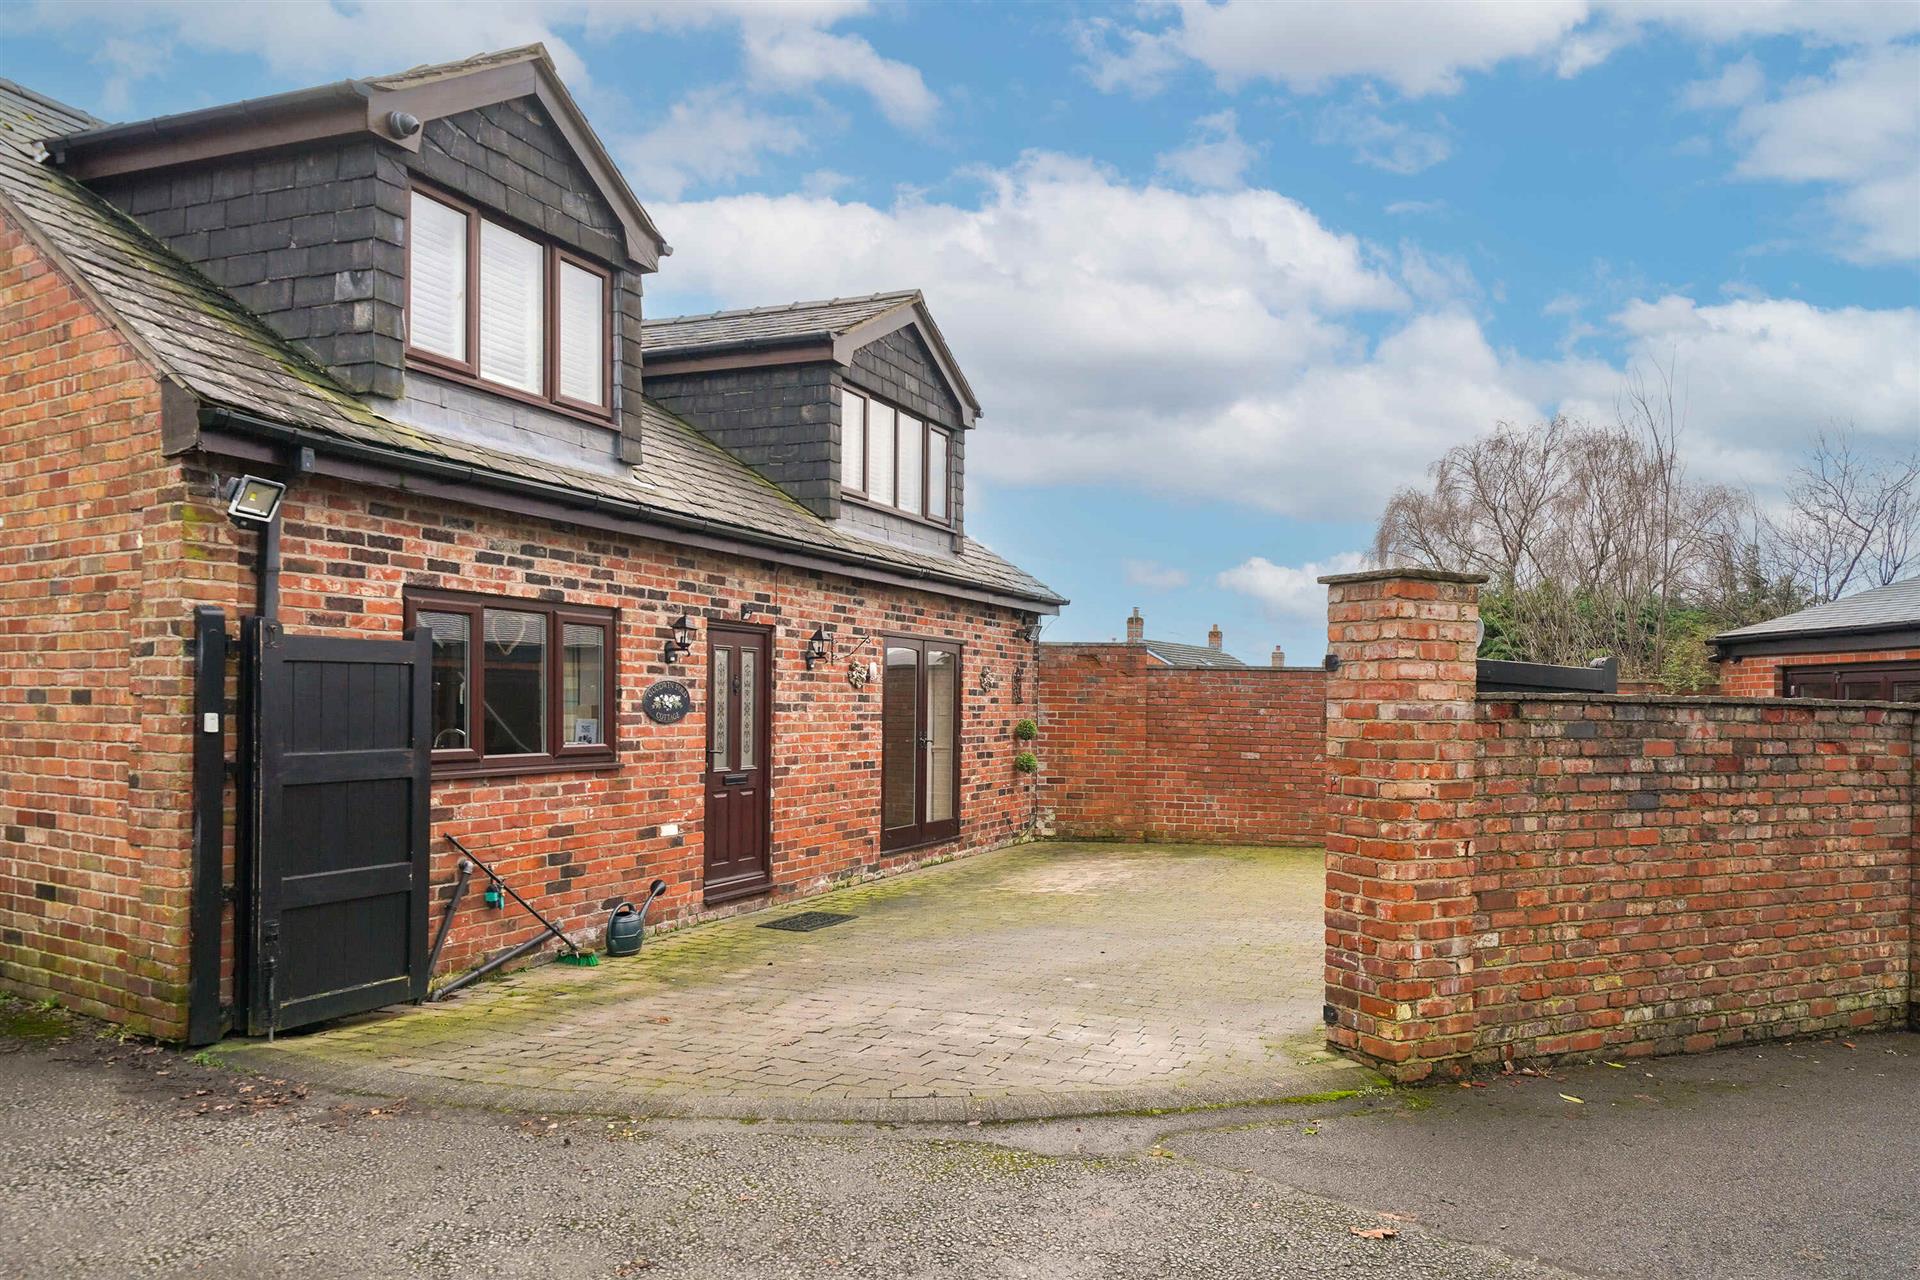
(1026, 762)
(1025, 730)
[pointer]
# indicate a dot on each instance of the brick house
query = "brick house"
(1862, 646)
(606, 598)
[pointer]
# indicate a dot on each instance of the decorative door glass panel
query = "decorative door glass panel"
(720, 709)
(749, 692)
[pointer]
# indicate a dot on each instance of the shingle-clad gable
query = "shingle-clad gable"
(237, 370)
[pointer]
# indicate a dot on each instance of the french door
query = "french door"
(920, 743)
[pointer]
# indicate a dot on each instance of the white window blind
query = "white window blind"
(937, 482)
(853, 441)
(583, 335)
(912, 437)
(437, 279)
(879, 451)
(512, 319)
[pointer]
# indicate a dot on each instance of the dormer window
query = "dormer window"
(892, 458)
(515, 314)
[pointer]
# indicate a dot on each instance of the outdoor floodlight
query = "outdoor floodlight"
(252, 500)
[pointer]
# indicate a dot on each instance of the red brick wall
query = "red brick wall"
(106, 546)
(1759, 677)
(1133, 749)
(1517, 876)
(93, 764)
(577, 843)
(1659, 875)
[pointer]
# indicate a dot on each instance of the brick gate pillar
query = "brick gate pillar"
(1400, 780)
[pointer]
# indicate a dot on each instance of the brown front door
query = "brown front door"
(739, 812)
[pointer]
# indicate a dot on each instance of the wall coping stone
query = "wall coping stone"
(1415, 574)
(1699, 699)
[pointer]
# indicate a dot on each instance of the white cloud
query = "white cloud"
(1418, 46)
(1215, 157)
(1416, 208)
(1738, 83)
(1425, 47)
(1757, 377)
(709, 136)
(1232, 347)
(791, 57)
(1290, 592)
(787, 45)
(1857, 129)
(1154, 576)
(1378, 141)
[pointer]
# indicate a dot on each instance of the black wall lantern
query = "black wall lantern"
(816, 647)
(681, 641)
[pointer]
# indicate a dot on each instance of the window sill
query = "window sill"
(522, 768)
(944, 838)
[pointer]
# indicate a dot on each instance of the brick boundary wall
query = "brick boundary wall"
(1516, 876)
(1136, 750)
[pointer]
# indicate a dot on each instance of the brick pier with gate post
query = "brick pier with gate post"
(1400, 761)
(1516, 876)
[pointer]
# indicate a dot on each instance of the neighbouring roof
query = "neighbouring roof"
(364, 106)
(1883, 609)
(1189, 655)
(205, 343)
(838, 326)
(796, 321)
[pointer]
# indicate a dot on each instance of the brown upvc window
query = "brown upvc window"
(892, 458)
(507, 311)
(919, 742)
(519, 686)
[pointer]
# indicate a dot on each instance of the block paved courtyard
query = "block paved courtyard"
(1044, 980)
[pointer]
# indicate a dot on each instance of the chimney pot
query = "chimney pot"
(1136, 627)
(1279, 656)
(1216, 638)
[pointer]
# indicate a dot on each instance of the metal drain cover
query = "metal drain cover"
(808, 921)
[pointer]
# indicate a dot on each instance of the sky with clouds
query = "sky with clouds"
(1223, 274)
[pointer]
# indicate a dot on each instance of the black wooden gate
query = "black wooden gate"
(337, 904)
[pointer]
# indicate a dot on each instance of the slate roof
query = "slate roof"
(227, 358)
(1190, 655)
(1882, 609)
(763, 326)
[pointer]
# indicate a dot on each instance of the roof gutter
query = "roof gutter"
(342, 107)
(657, 523)
(1901, 635)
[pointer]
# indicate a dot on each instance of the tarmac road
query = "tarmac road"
(124, 1160)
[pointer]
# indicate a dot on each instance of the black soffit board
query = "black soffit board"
(808, 921)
